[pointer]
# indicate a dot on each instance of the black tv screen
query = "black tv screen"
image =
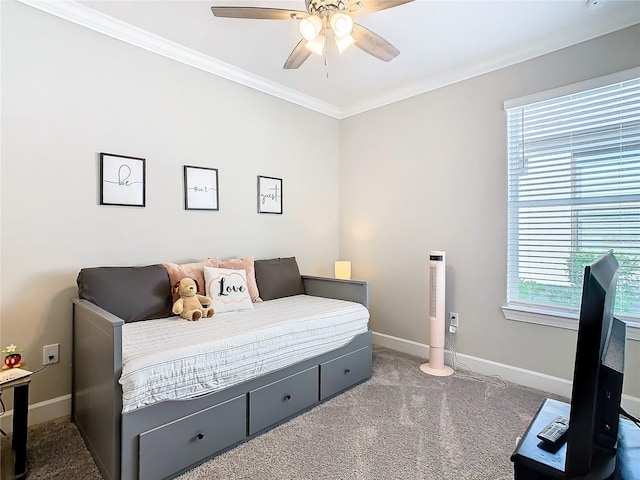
(598, 375)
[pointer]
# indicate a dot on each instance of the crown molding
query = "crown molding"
(99, 22)
(87, 17)
(544, 47)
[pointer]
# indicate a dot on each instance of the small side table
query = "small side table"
(20, 421)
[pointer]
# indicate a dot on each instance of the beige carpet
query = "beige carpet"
(401, 424)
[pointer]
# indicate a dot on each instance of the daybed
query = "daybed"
(158, 435)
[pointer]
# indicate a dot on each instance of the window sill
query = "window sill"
(558, 319)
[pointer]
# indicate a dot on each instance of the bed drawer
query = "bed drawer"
(179, 444)
(272, 403)
(342, 372)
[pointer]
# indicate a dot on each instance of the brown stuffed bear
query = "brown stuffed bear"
(191, 305)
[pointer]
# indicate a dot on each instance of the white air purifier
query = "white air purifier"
(437, 269)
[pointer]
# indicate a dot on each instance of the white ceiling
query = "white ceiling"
(440, 42)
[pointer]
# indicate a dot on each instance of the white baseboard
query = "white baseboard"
(41, 412)
(61, 406)
(527, 378)
(401, 345)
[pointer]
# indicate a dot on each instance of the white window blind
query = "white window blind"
(574, 193)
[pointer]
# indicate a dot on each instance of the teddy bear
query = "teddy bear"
(191, 305)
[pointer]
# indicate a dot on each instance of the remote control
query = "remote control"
(554, 433)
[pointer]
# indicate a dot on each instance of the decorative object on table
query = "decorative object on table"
(12, 357)
(200, 188)
(122, 180)
(269, 195)
(191, 305)
(342, 269)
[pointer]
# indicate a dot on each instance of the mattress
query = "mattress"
(173, 359)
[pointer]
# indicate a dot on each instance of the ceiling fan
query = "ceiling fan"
(322, 18)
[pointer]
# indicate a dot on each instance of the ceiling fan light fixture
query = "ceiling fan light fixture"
(341, 24)
(310, 27)
(317, 44)
(344, 42)
(323, 18)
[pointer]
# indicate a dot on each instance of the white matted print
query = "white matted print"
(200, 188)
(269, 195)
(122, 180)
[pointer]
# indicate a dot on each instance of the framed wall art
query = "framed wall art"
(200, 188)
(122, 180)
(269, 195)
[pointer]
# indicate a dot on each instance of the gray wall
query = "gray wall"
(382, 189)
(429, 173)
(68, 93)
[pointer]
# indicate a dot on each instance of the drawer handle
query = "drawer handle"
(347, 371)
(200, 436)
(287, 397)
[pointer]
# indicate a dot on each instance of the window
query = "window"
(574, 193)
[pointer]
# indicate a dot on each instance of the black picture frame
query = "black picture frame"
(122, 180)
(201, 188)
(269, 195)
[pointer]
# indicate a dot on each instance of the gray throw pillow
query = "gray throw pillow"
(131, 293)
(278, 277)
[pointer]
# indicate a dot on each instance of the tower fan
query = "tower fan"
(436, 365)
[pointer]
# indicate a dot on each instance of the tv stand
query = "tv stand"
(530, 462)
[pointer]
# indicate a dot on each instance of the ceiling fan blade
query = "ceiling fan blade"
(370, 6)
(298, 56)
(258, 13)
(374, 44)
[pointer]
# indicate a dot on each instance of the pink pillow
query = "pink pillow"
(193, 270)
(245, 264)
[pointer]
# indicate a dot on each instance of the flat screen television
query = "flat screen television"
(597, 376)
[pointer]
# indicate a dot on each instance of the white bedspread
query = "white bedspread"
(172, 358)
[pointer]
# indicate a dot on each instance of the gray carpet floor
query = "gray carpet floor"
(401, 424)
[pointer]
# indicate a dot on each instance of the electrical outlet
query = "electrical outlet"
(51, 351)
(453, 322)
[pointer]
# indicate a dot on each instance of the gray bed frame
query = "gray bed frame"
(165, 439)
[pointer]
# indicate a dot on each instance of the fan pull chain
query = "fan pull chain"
(326, 61)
